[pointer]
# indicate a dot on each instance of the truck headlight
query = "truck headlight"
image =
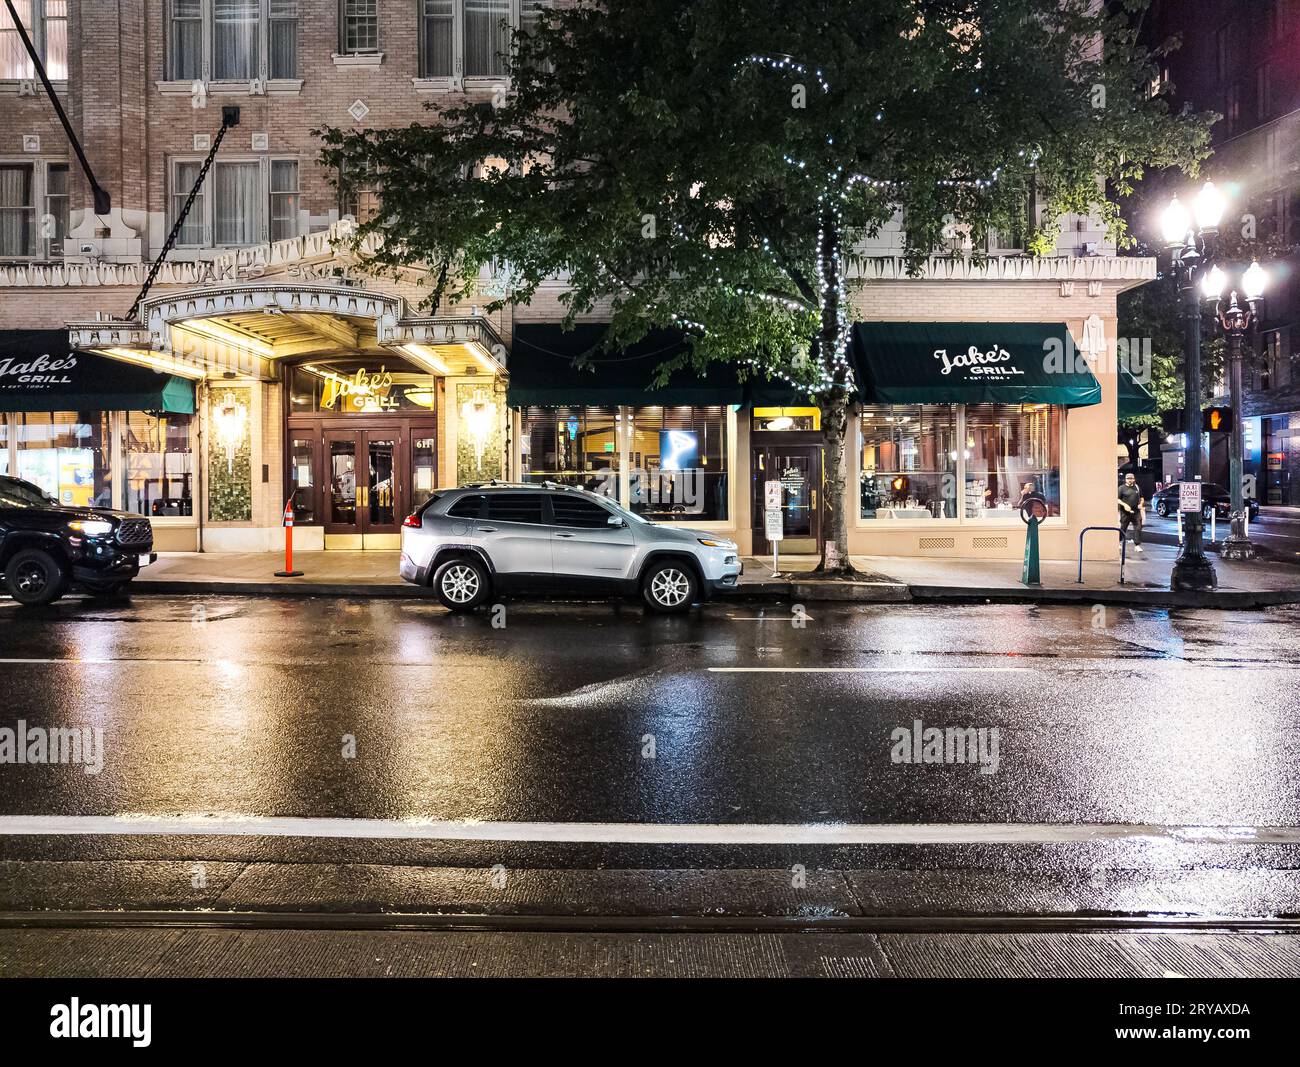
(91, 527)
(714, 544)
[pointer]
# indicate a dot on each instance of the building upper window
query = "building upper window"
(46, 22)
(359, 27)
(470, 38)
(241, 202)
(33, 210)
(232, 40)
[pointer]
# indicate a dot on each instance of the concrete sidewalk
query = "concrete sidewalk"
(885, 579)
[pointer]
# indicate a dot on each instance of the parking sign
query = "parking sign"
(1189, 497)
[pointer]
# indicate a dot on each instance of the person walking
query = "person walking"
(1132, 510)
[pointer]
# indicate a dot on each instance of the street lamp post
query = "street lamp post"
(1192, 245)
(1235, 320)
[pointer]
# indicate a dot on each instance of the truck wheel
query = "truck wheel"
(35, 577)
(461, 584)
(669, 587)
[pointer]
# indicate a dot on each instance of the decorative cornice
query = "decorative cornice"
(315, 257)
(1122, 269)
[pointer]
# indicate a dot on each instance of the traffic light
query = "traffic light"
(1216, 420)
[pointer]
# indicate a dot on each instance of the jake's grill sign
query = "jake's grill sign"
(974, 363)
(41, 371)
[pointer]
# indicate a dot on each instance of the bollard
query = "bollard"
(288, 571)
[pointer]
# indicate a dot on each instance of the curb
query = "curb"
(163, 587)
(812, 591)
(1226, 600)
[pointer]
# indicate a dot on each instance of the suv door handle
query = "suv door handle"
(563, 535)
(487, 529)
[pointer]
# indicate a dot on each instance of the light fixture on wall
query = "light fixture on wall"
(477, 416)
(230, 418)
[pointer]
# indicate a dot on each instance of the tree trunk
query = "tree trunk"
(835, 531)
(834, 406)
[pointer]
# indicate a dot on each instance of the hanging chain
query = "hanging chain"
(180, 218)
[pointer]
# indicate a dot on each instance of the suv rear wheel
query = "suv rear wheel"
(35, 577)
(461, 584)
(669, 586)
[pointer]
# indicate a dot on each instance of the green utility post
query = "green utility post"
(1033, 511)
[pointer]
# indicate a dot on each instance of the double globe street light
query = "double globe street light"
(1192, 237)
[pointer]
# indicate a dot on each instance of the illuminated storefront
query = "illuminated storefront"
(94, 432)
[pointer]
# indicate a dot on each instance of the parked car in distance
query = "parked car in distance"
(477, 541)
(1213, 498)
(47, 547)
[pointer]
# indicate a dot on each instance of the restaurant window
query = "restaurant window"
(909, 462)
(359, 27)
(572, 446)
(232, 40)
(1012, 451)
(678, 463)
(46, 22)
(5, 439)
(68, 454)
(360, 386)
(158, 452)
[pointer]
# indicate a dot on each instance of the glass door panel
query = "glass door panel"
(341, 490)
(302, 478)
(380, 498)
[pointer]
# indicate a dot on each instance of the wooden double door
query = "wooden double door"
(359, 478)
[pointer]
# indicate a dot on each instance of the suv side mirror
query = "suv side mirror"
(615, 520)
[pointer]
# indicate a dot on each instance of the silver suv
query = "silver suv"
(480, 540)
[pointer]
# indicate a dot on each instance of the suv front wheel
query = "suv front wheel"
(35, 577)
(669, 586)
(461, 584)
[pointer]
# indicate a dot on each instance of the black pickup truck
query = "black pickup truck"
(46, 547)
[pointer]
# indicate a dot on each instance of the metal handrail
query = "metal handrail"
(1123, 550)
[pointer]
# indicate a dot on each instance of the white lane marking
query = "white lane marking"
(641, 833)
(769, 618)
(100, 661)
(871, 670)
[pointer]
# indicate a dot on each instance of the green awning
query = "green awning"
(1133, 398)
(971, 363)
(39, 372)
(544, 370)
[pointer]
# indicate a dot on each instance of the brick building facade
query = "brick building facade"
(316, 382)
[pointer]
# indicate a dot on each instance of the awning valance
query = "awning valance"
(970, 363)
(543, 370)
(39, 372)
(1133, 397)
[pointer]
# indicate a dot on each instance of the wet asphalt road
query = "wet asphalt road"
(243, 706)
